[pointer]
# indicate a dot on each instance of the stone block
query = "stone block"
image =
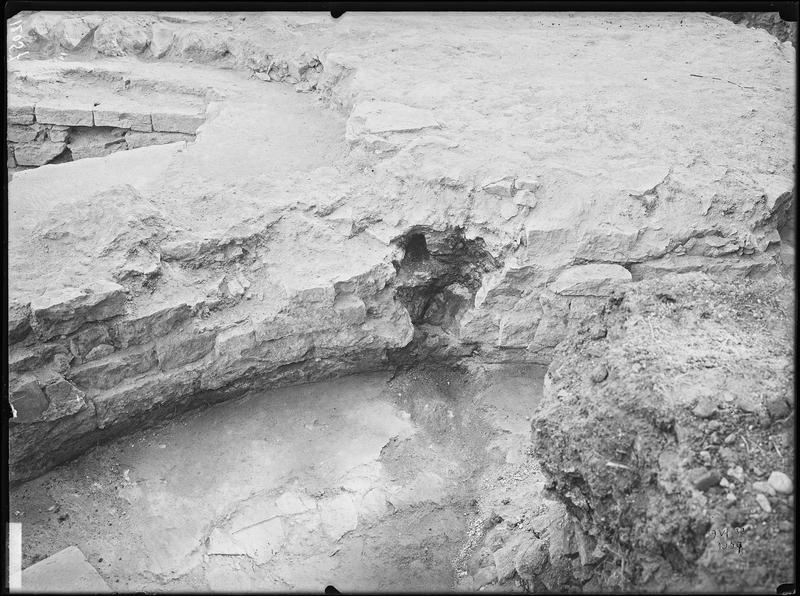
(18, 322)
(374, 117)
(97, 141)
(66, 571)
(19, 112)
(23, 359)
(134, 139)
(350, 308)
(86, 339)
(58, 134)
(115, 368)
(65, 311)
(233, 342)
(130, 118)
(138, 396)
(590, 280)
(183, 348)
(37, 154)
(17, 133)
(71, 33)
(161, 39)
(65, 400)
(27, 398)
(118, 37)
(147, 327)
(64, 113)
(177, 122)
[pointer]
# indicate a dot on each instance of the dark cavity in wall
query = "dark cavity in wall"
(437, 279)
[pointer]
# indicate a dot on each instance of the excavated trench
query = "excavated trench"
(367, 482)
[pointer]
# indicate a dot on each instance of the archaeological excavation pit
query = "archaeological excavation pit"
(288, 310)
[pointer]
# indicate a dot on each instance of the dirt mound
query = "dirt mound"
(666, 430)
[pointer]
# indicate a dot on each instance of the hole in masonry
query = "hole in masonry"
(416, 249)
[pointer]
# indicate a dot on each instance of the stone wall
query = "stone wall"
(45, 132)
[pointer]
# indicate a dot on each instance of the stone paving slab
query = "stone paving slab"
(67, 571)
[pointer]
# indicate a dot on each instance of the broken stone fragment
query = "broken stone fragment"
(70, 33)
(117, 37)
(98, 352)
(530, 184)
(590, 280)
(64, 113)
(66, 310)
(781, 483)
(703, 479)
(764, 487)
(27, 398)
(501, 188)
(37, 154)
(525, 198)
(705, 407)
(161, 39)
(763, 502)
(531, 559)
(599, 374)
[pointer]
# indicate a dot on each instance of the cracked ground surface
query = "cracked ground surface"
(366, 483)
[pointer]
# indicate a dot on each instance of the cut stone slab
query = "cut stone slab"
(120, 117)
(177, 122)
(65, 311)
(222, 543)
(67, 571)
(590, 280)
(60, 112)
(372, 117)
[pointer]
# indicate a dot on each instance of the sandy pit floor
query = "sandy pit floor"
(365, 483)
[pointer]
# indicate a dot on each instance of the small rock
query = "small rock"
(714, 425)
(730, 439)
(781, 483)
(763, 502)
(724, 482)
(764, 487)
(731, 498)
(785, 526)
(599, 374)
(705, 408)
(703, 479)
